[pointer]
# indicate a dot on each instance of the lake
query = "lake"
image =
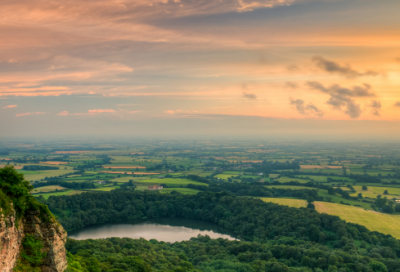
(161, 229)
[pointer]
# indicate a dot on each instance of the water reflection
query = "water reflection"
(163, 229)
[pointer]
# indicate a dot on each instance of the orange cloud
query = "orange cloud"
(29, 113)
(100, 111)
(9, 106)
(63, 113)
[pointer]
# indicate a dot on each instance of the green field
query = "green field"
(46, 196)
(104, 188)
(373, 192)
(290, 187)
(287, 179)
(186, 191)
(296, 203)
(169, 182)
(49, 188)
(338, 199)
(38, 175)
(225, 176)
(385, 223)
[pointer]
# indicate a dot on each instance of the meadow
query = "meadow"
(374, 221)
(69, 192)
(49, 188)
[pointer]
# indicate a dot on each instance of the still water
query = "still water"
(162, 229)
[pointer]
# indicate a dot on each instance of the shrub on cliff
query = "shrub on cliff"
(14, 188)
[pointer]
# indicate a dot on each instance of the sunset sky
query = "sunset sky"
(205, 67)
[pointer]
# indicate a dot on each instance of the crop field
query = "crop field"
(49, 188)
(374, 221)
(296, 203)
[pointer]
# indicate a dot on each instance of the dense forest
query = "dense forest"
(205, 254)
(257, 189)
(39, 167)
(279, 238)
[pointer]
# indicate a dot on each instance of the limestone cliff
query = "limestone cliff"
(51, 234)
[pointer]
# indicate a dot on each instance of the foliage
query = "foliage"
(206, 254)
(249, 218)
(71, 185)
(39, 167)
(31, 256)
(256, 189)
(32, 250)
(14, 188)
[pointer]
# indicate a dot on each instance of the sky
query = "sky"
(270, 68)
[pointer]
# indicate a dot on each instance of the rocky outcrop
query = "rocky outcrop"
(52, 235)
(10, 242)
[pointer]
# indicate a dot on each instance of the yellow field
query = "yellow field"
(54, 162)
(49, 188)
(296, 203)
(374, 221)
(15, 166)
(373, 192)
(41, 174)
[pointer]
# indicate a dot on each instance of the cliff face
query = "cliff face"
(52, 235)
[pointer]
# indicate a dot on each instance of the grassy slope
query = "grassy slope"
(374, 221)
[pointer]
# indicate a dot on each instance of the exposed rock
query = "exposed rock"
(52, 235)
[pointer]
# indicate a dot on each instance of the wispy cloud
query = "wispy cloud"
(343, 97)
(100, 110)
(249, 96)
(63, 113)
(180, 112)
(344, 70)
(292, 85)
(28, 113)
(302, 108)
(397, 104)
(227, 107)
(9, 106)
(376, 107)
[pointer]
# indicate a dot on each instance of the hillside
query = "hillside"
(30, 237)
(274, 237)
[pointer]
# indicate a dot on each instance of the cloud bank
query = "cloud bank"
(303, 109)
(344, 70)
(344, 97)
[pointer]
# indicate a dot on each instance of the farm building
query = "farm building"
(155, 187)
